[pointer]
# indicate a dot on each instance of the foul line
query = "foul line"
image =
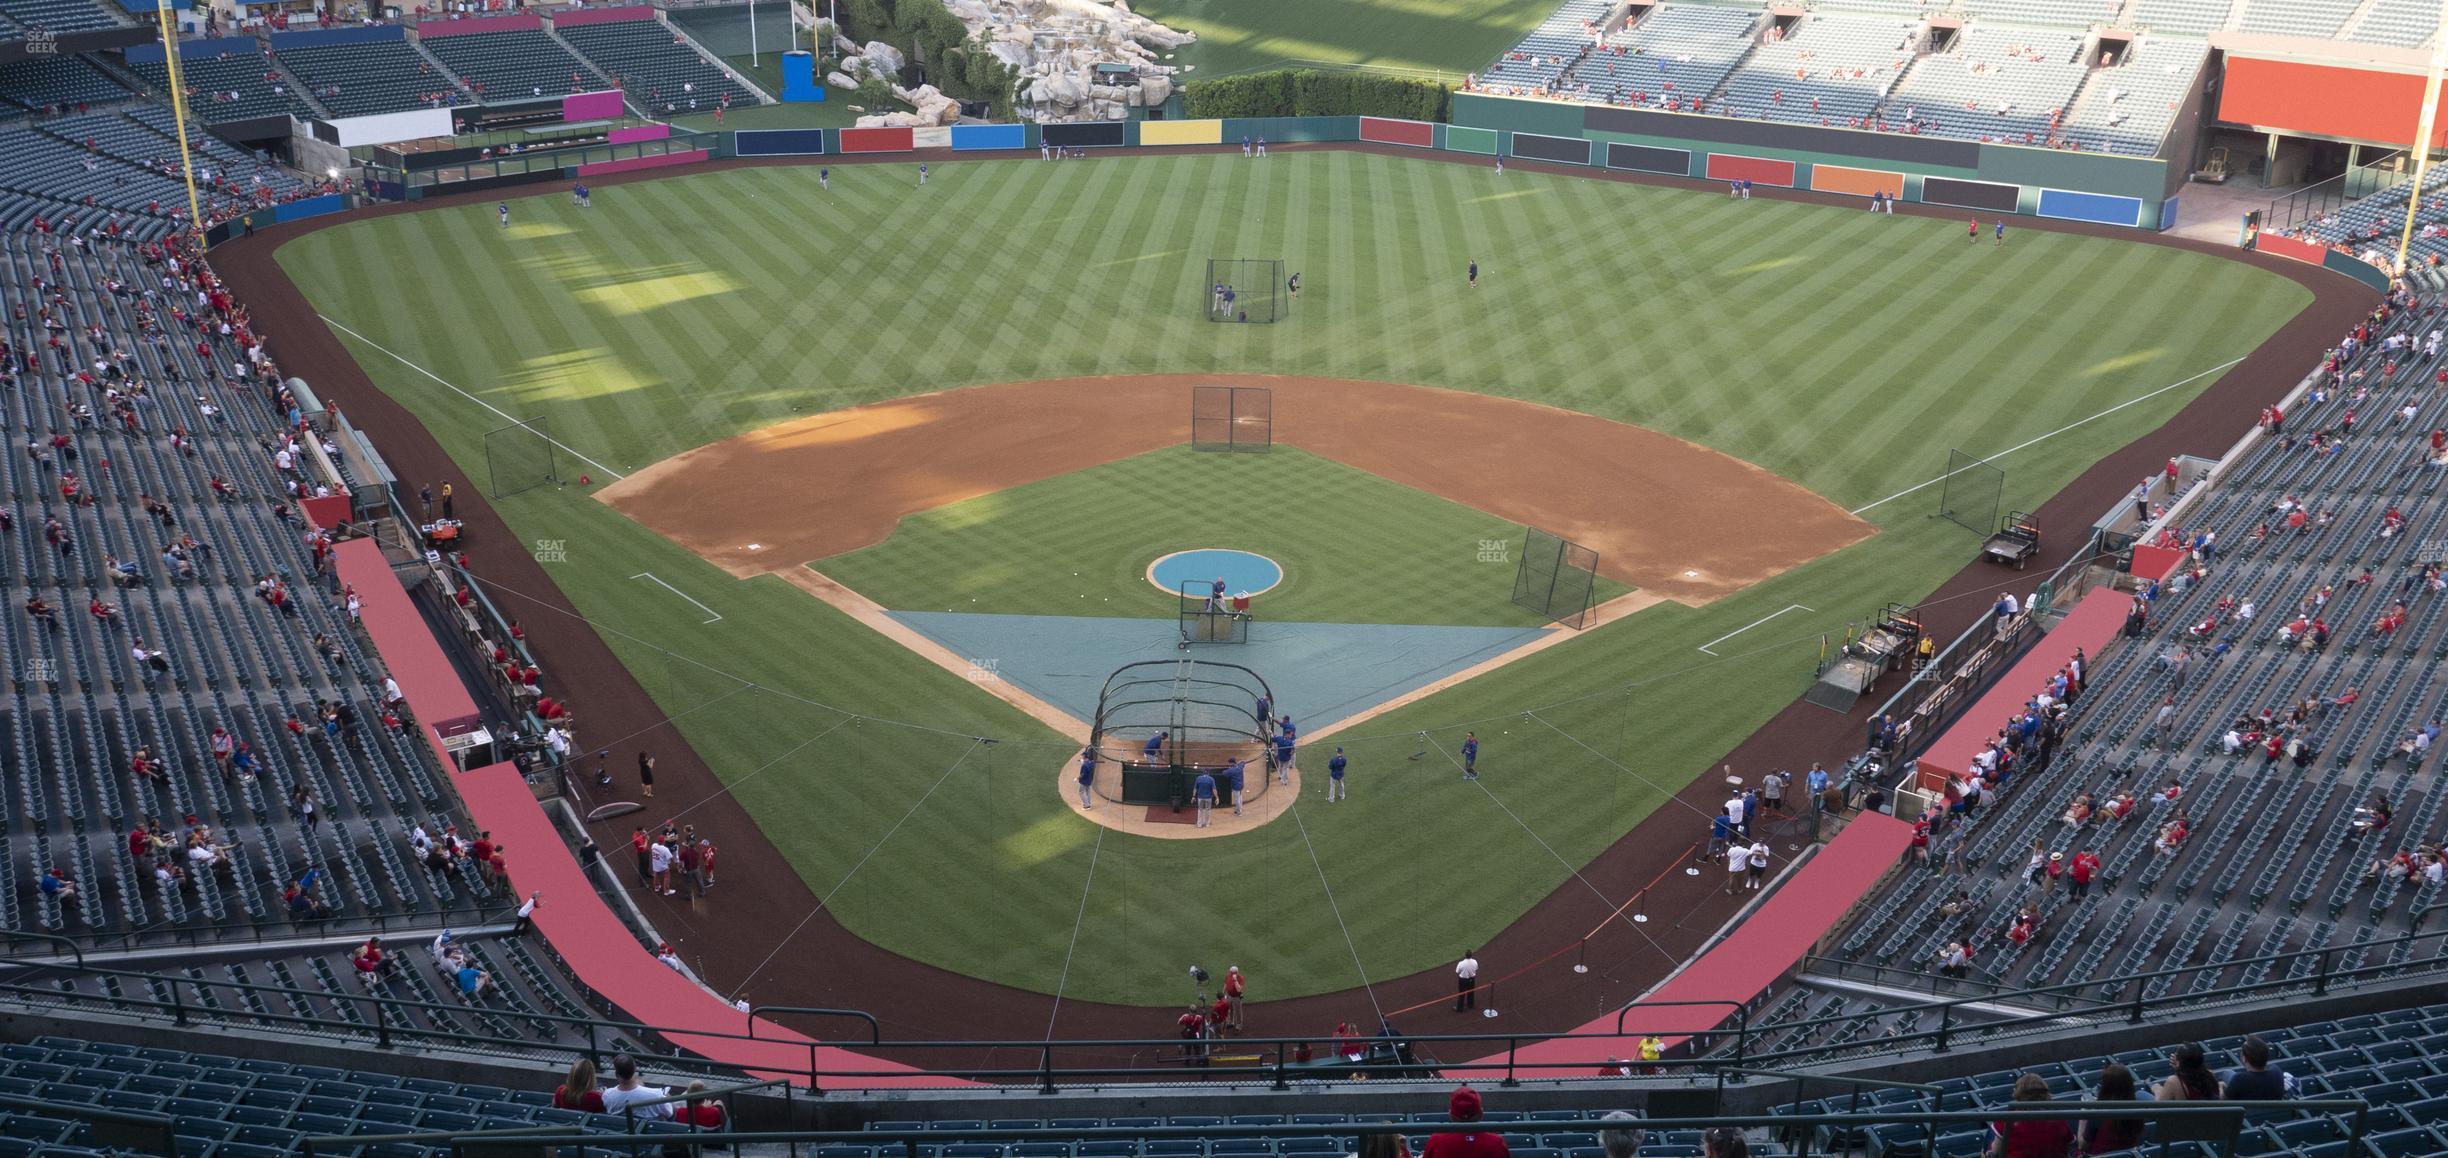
(827, 899)
(759, 770)
(1603, 899)
(1748, 626)
(700, 606)
(2218, 369)
(326, 318)
(1065, 977)
(1337, 910)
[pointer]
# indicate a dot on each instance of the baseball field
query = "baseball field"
(710, 350)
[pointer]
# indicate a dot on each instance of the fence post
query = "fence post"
(2135, 1016)
(815, 1084)
(1280, 1050)
(1512, 1045)
(1045, 1082)
(1946, 1022)
(2320, 979)
(178, 1004)
(382, 1025)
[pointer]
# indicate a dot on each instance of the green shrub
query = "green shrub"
(1306, 92)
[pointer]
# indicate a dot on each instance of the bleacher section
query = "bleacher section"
(2182, 17)
(58, 15)
(259, 1108)
(2356, 1057)
(1535, 64)
(2381, 216)
(2406, 23)
(2129, 108)
(661, 73)
(508, 66)
(48, 83)
(231, 79)
(2080, 13)
(1998, 84)
(354, 80)
(2275, 861)
(1858, 64)
(2319, 19)
(1677, 55)
(1830, 70)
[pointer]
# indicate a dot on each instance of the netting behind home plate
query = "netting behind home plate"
(1208, 713)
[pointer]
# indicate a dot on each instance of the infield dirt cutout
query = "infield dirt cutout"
(1673, 519)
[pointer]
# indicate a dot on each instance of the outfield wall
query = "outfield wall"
(1991, 178)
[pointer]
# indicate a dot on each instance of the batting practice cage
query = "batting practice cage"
(519, 458)
(1971, 491)
(1232, 418)
(1206, 620)
(1208, 715)
(1247, 289)
(1558, 578)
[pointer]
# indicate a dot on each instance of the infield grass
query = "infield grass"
(1844, 351)
(1355, 548)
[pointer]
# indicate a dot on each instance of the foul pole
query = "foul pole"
(178, 109)
(2422, 138)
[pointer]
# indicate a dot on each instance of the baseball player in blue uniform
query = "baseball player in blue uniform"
(1232, 781)
(1087, 776)
(1154, 752)
(1202, 793)
(1470, 755)
(1334, 777)
(1283, 755)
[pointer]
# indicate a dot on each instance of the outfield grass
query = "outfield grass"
(1451, 36)
(1355, 548)
(1844, 351)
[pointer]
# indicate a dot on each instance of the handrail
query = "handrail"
(875, 1030)
(389, 1019)
(2228, 1117)
(236, 933)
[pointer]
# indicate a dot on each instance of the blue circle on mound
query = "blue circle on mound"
(1243, 572)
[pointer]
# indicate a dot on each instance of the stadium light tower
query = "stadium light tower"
(2422, 135)
(178, 110)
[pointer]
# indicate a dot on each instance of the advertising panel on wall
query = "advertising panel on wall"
(2071, 206)
(1732, 131)
(1757, 170)
(1539, 147)
(1987, 195)
(780, 142)
(1463, 139)
(591, 106)
(874, 140)
(1086, 135)
(1648, 159)
(2361, 104)
(1855, 182)
(1393, 132)
(384, 128)
(1181, 132)
(989, 137)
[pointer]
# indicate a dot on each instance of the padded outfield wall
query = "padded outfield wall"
(1988, 178)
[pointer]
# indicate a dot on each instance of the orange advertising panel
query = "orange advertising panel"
(1858, 182)
(2328, 100)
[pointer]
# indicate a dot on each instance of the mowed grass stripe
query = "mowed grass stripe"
(1599, 310)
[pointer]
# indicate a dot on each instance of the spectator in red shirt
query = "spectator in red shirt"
(2022, 1137)
(1469, 1143)
(703, 1113)
(579, 1090)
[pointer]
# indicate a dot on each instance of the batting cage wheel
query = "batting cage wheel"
(1209, 714)
(1245, 289)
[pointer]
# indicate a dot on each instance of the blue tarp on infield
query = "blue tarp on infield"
(1320, 672)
